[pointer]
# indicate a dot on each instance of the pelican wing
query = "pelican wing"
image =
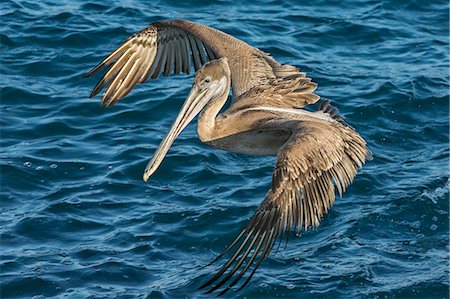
(295, 92)
(291, 87)
(174, 45)
(318, 157)
(249, 66)
(155, 49)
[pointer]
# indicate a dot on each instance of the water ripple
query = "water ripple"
(76, 219)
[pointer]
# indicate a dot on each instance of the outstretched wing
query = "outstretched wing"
(250, 67)
(318, 157)
(155, 49)
(174, 45)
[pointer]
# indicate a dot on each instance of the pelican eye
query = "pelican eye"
(207, 79)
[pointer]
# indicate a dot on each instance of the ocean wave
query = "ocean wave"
(78, 220)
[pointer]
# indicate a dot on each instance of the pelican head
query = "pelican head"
(210, 83)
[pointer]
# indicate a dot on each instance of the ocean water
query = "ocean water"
(77, 221)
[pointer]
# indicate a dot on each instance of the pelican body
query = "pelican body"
(317, 151)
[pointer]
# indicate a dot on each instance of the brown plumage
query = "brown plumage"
(317, 152)
(170, 45)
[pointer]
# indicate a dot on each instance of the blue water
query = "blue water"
(77, 220)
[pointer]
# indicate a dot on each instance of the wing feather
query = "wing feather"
(148, 63)
(177, 42)
(178, 58)
(114, 55)
(117, 82)
(169, 59)
(111, 73)
(160, 63)
(210, 53)
(161, 47)
(186, 53)
(200, 46)
(317, 158)
(195, 52)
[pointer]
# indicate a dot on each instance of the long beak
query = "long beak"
(196, 100)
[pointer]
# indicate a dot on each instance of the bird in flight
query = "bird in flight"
(317, 152)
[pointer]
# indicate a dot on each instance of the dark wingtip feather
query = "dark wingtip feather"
(203, 285)
(97, 88)
(94, 71)
(369, 155)
(326, 107)
(87, 74)
(254, 242)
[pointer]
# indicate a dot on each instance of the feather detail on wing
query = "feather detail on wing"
(289, 92)
(172, 46)
(159, 48)
(317, 159)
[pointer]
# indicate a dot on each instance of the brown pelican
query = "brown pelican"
(316, 151)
